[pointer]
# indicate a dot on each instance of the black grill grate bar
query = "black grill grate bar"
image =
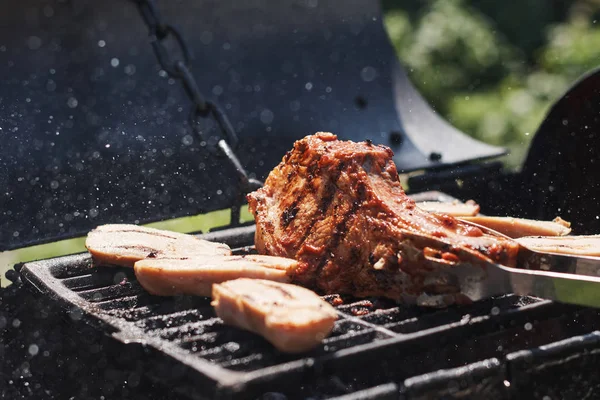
(226, 352)
(175, 319)
(134, 314)
(211, 346)
(525, 314)
(404, 315)
(73, 265)
(421, 386)
(381, 329)
(381, 317)
(121, 303)
(358, 307)
(112, 292)
(105, 276)
(153, 312)
(188, 343)
(457, 315)
(81, 282)
(343, 326)
(387, 391)
(180, 332)
(399, 327)
(142, 300)
(418, 324)
(443, 333)
(243, 362)
(529, 313)
(348, 335)
(213, 353)
(172, 316)
(334, 344)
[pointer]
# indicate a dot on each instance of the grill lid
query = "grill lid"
(94, 133)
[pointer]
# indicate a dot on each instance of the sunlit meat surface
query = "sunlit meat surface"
(580, 245)
(195, 275)
(339, 209)
(124, 244)
(290, 317)
(519, 227)
(456, 209)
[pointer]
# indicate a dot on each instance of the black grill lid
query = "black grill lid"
(92, 134)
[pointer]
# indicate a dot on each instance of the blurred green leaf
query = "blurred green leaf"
(477, 62)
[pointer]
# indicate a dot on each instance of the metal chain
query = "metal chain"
(201, 107)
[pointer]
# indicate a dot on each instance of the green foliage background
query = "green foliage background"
(492, 68)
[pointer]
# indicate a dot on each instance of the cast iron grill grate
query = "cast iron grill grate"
(189, 348)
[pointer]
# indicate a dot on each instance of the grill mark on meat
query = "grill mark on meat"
(302, 146)
(281, 290)
(312, 169)
(287, 156)
(341, 230)
(361, 190)
(249, 297)
(289, 213)
(324, 205)
(354, 256)
(146, 249)
(371, 259)
(149, 233)
(290, 175)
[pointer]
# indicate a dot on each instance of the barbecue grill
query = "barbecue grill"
(98, 134)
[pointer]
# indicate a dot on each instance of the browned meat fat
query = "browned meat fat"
(519, 227)
(195, 275)
(455, 209)
(339, 209)
(290, 317)
(124, 244)
(579, 245)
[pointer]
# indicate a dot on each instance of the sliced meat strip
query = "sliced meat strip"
(195, 275)
(456, 209)
(290, 317)
(519, 227)
(584, 245)
(124, 244)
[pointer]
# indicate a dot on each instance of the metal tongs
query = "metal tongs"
(564, 278)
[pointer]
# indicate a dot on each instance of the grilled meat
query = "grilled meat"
(195, 275)
(124, 244)
(519, 227)
(457, 209)
(583, 245)
(339, 209)
(290, 317)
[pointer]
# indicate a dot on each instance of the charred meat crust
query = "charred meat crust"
(338, 208)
